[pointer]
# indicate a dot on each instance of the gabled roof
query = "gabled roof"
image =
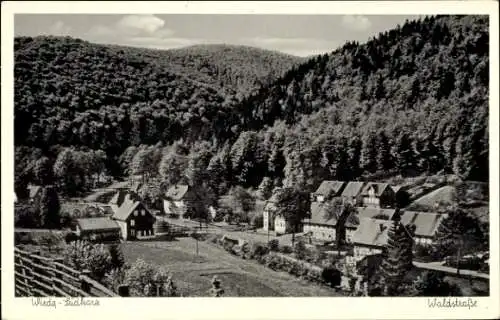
(94, 224)
(176, 192)
(330, 188)
(319, 215)
(372, 232)
(352, 189)
(34, 190)
(378, 187)
(426, 222)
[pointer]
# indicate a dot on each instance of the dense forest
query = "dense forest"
(412, 100)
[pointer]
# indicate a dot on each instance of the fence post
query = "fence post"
(123, 290)
(56, 274)
(84, 285)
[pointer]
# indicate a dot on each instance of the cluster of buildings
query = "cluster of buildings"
(366, 227)
(128, 219)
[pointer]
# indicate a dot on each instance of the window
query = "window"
(136, 213)
(143, 212)
(132, 222)
(132, 232)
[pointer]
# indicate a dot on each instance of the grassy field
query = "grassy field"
(240, 278)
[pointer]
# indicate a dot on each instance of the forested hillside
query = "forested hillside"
(411, 100)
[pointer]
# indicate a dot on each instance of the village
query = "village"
(347, 223)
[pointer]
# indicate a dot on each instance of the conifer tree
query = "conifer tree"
(398, 258)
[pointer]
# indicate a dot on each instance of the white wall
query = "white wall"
(320, 232)
(123, 229)
(361, 251)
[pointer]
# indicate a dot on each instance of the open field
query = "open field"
(243, 278)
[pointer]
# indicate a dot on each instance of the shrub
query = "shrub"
(83, 255)
(331, 276)
(257, 221)
(273, 245)
(26, 216)
(70, 237)
(23, 238)
(258, 250)
(299, 250)
(145, 279)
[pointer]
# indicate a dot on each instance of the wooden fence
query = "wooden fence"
(38, 276)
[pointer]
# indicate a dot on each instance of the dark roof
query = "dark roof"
(176, 192)
(372, 232)
(353, 189)
(330, 188)
(426, 222)
(33, 191)
(88, 224)
(379, 188)
(318, 215)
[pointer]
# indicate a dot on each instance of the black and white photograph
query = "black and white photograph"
(166, 155)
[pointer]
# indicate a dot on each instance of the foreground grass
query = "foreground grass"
(240, 278)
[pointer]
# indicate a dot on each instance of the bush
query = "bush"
(258, 250)
(300, 250)
(70, 237)
(26, 216)
(331, 276)
(83, 255)
(23, 238)
(273, 245)
(145, 279)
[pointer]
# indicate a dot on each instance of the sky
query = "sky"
(300, 35)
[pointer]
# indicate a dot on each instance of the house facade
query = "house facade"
(133, 218)
(426, 225)
(320, 226)
(282, 226)
(176, 200)
(98, 229)
(378, 195)
(370, 237)
(268, 214)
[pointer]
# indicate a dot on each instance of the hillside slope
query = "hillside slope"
(411, 100)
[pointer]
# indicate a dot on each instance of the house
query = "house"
(352, 193)
(34, 193)
(370, 237)
(268, 214)
(282, 226)
(328, 190)
(352, 221)
(426, 224)
(176, 199)
(321, 225)
(132, 216)
(379, 195)
(97, 229)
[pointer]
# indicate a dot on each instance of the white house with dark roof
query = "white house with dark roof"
(426, 224)
(34, 193)
(132, 216)
(370, 237)
(328, 190)
(321, 225)
(102, 228)
(379, 195)
(268, 214)
(176, 199)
